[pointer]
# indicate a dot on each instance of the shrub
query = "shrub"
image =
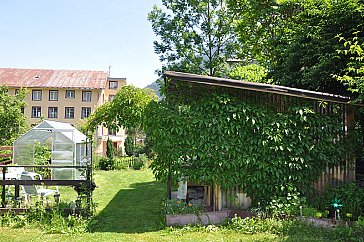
(350, 195)
(106, 164)
(129, 146)
(122, 163)
(286, 206)
(181, 207)
(258, 225)
(109, 149)
(140, 161)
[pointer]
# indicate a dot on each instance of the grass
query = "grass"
(129, 207)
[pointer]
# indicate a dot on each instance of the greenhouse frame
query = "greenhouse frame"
(67, 146)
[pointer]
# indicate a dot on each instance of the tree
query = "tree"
(354, 73)
(250, 73)
(295, 39)
(195, 36)
(310, 59)
(126, 110)
(12, 120)
(261, 25)
(109, 149)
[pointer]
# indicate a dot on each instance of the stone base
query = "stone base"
(328, 223)
(204, 218)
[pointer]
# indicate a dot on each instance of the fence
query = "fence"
(6, 155)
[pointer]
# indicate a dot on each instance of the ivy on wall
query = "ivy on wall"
(220, 139)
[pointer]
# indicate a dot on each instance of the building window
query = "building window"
(37, 95)
(111, 97)
(52, 112)
(69, 112)
(36, 112)
(22, 110)
(86, 96)
(85, 112)
(70, 94)
(17, 91)
(113, 85)
(53, 95)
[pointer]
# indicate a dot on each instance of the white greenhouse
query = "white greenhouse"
(65, 146)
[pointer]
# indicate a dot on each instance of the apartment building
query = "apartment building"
(65, 95)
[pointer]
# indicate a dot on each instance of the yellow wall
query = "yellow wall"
(98, 97)
(62, 103)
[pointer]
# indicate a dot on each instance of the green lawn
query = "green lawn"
(129, 207)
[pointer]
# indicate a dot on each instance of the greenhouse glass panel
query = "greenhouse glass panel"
(60, 144)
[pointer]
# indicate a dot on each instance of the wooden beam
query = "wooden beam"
(6, 147)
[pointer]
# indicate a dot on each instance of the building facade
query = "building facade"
(65, 95)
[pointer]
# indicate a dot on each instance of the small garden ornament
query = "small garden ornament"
(336, 203)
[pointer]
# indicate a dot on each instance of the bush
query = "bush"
(137, 164)
(106, 164)
(286, 206)
(181, 207)
(122, 163)
(258, 225)
(350, 195)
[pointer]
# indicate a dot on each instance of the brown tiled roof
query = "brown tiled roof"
(40, 78)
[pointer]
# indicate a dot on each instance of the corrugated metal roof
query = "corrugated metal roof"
(41, 78)
(255, 86)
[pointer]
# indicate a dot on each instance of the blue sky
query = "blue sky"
(80, 35)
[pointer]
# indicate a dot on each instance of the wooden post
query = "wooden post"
(3, 203)
(350, 126)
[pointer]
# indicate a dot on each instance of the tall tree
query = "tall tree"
(12, 120)
(126, 110)
(194, 36)
(295, 39)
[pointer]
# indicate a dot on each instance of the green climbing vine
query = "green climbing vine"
(219, 139)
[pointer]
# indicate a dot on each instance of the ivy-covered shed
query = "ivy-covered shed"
(243, 140)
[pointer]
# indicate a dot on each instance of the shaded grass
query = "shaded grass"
(130, 205)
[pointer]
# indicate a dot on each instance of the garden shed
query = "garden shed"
(293, 134)
(67, 147)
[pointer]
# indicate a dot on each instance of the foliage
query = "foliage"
(42, 156)
(194, 36)
(309, 59)
(250, 73)
(261, 26)
(286, 206)
(181, 207)
(295, 40)
(52, 221)
(122, 163)
(231, 142)
(258, 225)
(132, 148)
(354, 73)
(139, 162)
(126, 110)
(350, 195)
(129, 146)
(106, 164)
(13, 122)
(109, 149)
